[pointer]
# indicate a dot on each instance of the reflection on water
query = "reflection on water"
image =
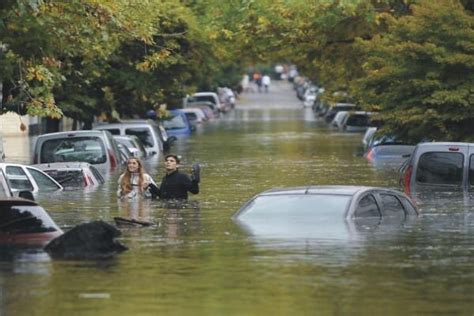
(197, 261)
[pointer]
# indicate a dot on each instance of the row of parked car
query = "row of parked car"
(424, 168)
(84, 158)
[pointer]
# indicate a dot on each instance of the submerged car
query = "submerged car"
(73, 174)
(327, 204)
(23, 222)
(178, 124)
(21, 178)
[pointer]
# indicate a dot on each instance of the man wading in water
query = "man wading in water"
(176, 185)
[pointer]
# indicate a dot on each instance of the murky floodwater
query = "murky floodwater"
(199, 262)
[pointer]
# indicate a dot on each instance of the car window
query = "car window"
(440, 168)
(143, 133)
(367, 207)
(296, 206)
(44, 183)
(113, 131)
(391, 206)
(191, 116)
(24, 219)
(18, 179)
(89, 149)
(358, 120)
(4, 188)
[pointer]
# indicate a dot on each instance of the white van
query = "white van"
(152, 135)
(98, 148)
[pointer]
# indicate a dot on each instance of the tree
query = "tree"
(421, 73)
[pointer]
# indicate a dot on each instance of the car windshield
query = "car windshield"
(176, 122)
(296, 206)
(88, 149)
(358, 120)
(143, 133)
(25, 219)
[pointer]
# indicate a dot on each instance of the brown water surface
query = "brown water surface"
(197, 261)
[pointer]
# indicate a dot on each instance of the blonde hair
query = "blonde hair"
(125, 183)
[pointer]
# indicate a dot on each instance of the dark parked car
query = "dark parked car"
(327, 204)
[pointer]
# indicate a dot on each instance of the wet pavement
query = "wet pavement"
(198, 261)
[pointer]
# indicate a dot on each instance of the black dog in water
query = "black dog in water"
(94, 240)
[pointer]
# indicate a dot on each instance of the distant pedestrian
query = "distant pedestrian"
(257, 78)
(266, 82)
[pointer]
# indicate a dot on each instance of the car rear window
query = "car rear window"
(67, 178)
(89, 149)
(143, 133)
(204, 99)
(440, 168)
(358, 120)
(25, 219)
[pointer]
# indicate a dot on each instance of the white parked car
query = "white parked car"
(28, 178)
(195, 116)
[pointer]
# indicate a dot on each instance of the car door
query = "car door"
(43, 181)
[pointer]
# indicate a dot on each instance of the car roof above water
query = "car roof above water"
(319, 189)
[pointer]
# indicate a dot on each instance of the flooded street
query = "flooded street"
(198, 261)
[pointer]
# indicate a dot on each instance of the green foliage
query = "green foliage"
(421, 73)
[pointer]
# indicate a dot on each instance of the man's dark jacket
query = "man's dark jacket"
(176, 186)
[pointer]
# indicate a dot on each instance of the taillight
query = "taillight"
(85, 180)
(90, 180)
(370, 155)
(113, 160)
(406, 179)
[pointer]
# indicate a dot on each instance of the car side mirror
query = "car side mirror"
(27, 195)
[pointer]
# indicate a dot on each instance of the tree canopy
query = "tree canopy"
(411, 60)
